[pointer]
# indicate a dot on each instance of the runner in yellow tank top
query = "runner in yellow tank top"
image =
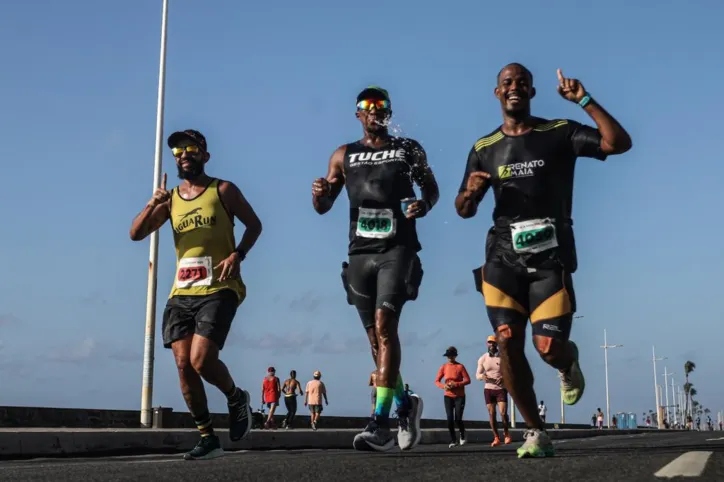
(207, 288)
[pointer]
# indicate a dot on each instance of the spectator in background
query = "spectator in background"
(315, 392)
(373, 384)
(599, 418)
(270, 393)
(456, 377)
(496, 396)
(291, 385)
(542, 410)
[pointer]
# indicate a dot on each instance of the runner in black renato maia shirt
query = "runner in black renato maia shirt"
(530, 251)
(384, 270)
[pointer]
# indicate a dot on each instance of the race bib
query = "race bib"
(376, 223)
(194, 272)
(534, 236)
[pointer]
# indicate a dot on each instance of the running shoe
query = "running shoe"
(452, 445)
(508, 439)
(463, 441)
(375, 438)
(240, 417)
(409, 433)
(572, 382)
(207, 448)
(537, 444)
(495, 442)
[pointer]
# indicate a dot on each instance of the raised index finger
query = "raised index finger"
(560, 76)
(163, 182)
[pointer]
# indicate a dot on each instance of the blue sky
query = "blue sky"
(272, 86)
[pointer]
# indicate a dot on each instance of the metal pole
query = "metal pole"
(511, 404)
(666, 386)
(673, 399)
(563, 410)
(605, 347)
(147, 387)
(660, 422)
(605, 362)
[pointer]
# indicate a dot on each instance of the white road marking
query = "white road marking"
(712, 439)
(690, 464)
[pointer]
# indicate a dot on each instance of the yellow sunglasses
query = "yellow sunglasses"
(178, 151)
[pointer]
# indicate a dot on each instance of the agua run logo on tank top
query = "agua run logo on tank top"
(520, 169)
(194, 219)
(377, 158)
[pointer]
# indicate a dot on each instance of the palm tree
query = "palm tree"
(689, 367)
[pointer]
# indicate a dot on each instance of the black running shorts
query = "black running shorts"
(209, 316)
(515, 294)
(382, 281)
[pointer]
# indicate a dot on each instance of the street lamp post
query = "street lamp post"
(656, 390)
(666, 387)
(605, 347)
(150, 338)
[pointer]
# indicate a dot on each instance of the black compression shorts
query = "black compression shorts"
(209, 316)
(514, 294)
(385, 280)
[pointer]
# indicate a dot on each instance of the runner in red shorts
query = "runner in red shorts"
(495, 393)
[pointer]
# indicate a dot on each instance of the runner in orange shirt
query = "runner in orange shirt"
(456, 377)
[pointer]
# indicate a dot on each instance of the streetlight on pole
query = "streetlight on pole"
(656, 390)
(673, 398)
(605, 347)
(666, 386)
(150, 339)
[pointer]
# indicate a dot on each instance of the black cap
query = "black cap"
(374, 91)
(451, 351)
(194, 136)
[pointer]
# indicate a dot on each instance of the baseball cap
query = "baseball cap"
(193, 135)
(317, 374)
(374, 91)
(451, 351)
(492, 338)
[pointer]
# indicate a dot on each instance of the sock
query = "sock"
(233, 396)
(384, 403)
(401, 398)
(203, 423)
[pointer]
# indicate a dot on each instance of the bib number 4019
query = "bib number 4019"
(534, 236)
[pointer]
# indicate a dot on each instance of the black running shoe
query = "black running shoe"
(240, 417)
(209, 447)
(374, 438)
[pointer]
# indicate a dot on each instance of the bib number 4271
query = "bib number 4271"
(533, 236)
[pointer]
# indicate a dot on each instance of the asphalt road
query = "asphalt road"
(609, 458)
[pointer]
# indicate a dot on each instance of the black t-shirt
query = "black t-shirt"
(532, 179)
(377, 180)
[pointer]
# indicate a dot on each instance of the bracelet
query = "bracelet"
(585, 101)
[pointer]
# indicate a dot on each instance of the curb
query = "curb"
(29, 443)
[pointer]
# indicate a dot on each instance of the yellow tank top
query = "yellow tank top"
(203, 233)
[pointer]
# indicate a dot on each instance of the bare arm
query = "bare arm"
(153, 215)
(614, 138)
(325, 190)
(480, 373)
(423, 176)
(240, 208)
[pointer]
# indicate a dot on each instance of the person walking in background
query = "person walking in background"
(291, 385)
(495, 393)
(456, 377)
(599, 418)
(542, 410)
(270, 393)
(315, 392)
(373, 397)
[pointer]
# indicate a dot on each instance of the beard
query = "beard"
(193, 171)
